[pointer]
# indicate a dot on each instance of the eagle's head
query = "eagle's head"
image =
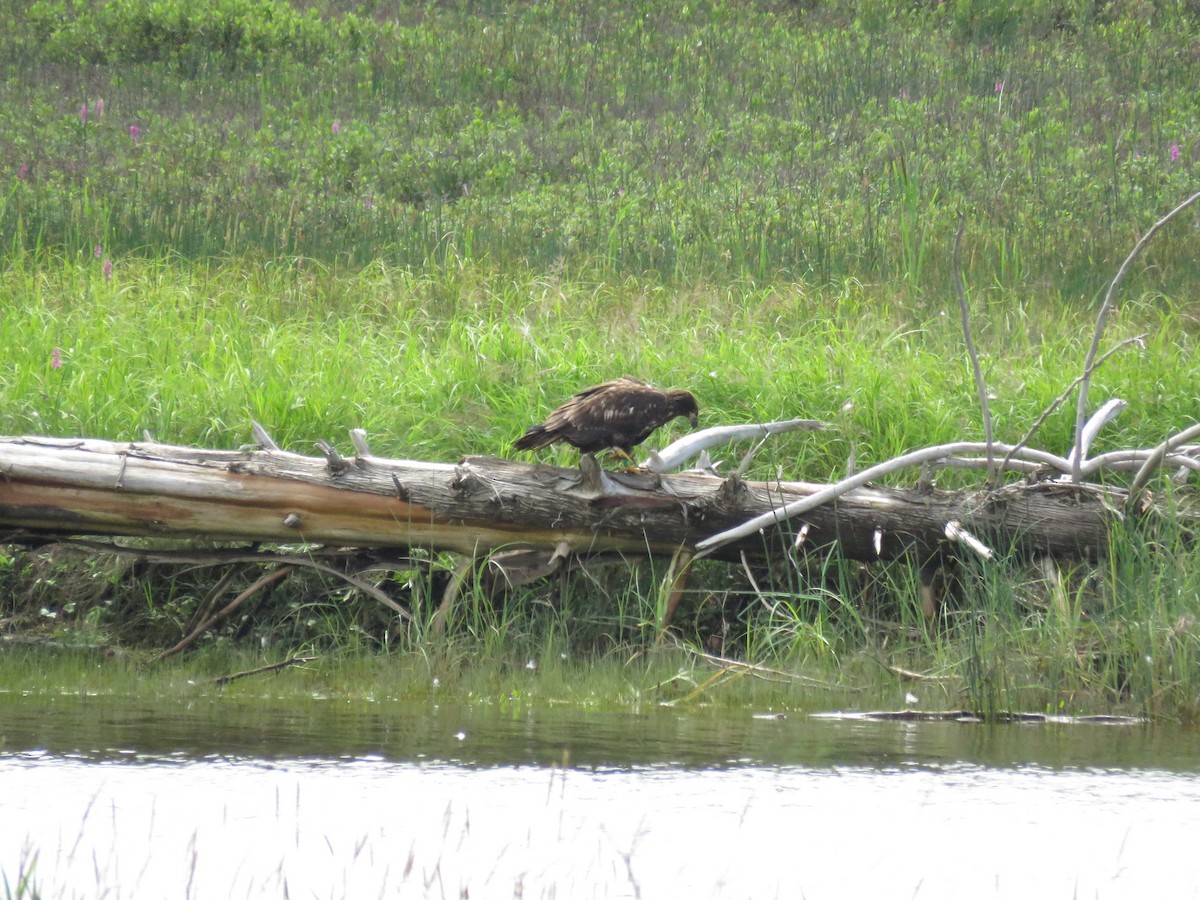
(684, 404)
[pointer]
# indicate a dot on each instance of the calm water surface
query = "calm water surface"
(220, 799)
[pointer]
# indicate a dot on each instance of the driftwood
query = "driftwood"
(484, 505)
(513, 523)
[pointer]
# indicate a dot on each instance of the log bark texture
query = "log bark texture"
(54, 487)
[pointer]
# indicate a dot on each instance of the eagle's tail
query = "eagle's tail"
(535, 438)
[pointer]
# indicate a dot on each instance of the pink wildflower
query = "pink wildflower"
(107, 269)
(98, 251)
(135, 133)
(99, 107)
(23, 172)
(337, 126)
(56, 358)
(83, 112)
(999, 87)
(1174, 153)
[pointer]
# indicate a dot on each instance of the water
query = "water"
(223, 799)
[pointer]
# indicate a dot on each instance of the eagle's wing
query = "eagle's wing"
(619, 413)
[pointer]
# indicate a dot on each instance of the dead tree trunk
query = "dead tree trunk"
(55, 487)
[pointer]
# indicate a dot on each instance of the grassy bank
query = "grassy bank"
(438, 223)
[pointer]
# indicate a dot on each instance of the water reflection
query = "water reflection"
(101, 727)
(226, 800)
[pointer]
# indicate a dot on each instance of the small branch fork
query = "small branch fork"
(1174, 453)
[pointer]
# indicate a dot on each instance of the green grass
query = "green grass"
(436, 223)
(438, 370)
(691, 142)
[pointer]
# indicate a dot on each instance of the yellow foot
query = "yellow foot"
(621, 454)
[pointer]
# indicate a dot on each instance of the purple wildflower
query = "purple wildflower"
(107, 269)
(1174, 153)
(56, 358)
(999, 87)
(83, 112)
(23, 172)
(368, 202)
(98, 251)
(100, 108)
(135, 133)
(337, 126)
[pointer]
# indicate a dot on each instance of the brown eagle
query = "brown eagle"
(618, 414)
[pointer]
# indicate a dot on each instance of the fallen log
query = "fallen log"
(481, 505)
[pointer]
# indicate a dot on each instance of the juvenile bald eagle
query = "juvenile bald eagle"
(618, 414)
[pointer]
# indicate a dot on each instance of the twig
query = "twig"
(334, 461)
(993, 471)
(1061, 398)
(725, 674)
(773, 610)
(911, 675)
(230, 608)
(291, 661)
(1105, 307)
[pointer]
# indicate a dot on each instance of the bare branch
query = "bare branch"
(993, 472)
(915, 458)
(677, 453)
(1058, 401)
(1105, 308)
(273, 667)
(955, 532)
(1101, 417)
(229, 609)
(1155, 460)
(761, 671)
(1133, 460)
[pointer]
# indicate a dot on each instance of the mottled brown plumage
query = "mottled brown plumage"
(618, 414)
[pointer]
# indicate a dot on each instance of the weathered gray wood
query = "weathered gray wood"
(62, 486)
